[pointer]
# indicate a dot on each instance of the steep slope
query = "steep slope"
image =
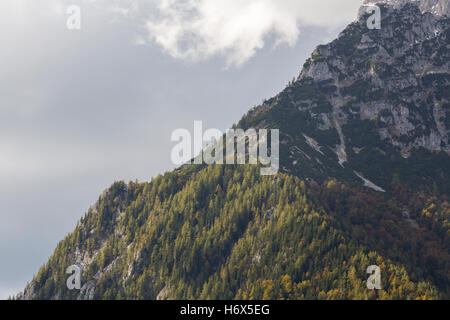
(436, 7)
(226, 232)
(371, 104)
(370, 109)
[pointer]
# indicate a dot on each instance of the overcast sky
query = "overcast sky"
(80, 109)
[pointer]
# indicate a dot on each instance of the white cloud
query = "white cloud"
(199, 29)
(196, 30)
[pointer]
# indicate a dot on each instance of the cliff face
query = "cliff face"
(371, 94)
(436, 7)
(398, 75)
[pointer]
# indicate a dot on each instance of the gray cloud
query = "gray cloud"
(236, 29)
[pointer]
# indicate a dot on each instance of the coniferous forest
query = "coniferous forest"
(225, 232)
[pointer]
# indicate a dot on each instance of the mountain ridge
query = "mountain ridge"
(436, 7)
(369, 93)
(364, 181)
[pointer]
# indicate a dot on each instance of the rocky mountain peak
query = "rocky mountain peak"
(369, 99)
(436, 7)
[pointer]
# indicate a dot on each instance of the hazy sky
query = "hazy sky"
(80, 109)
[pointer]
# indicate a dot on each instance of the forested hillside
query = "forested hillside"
(226, 232)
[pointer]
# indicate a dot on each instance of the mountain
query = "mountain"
(436, 7)
(364, 171)
(371, 104)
